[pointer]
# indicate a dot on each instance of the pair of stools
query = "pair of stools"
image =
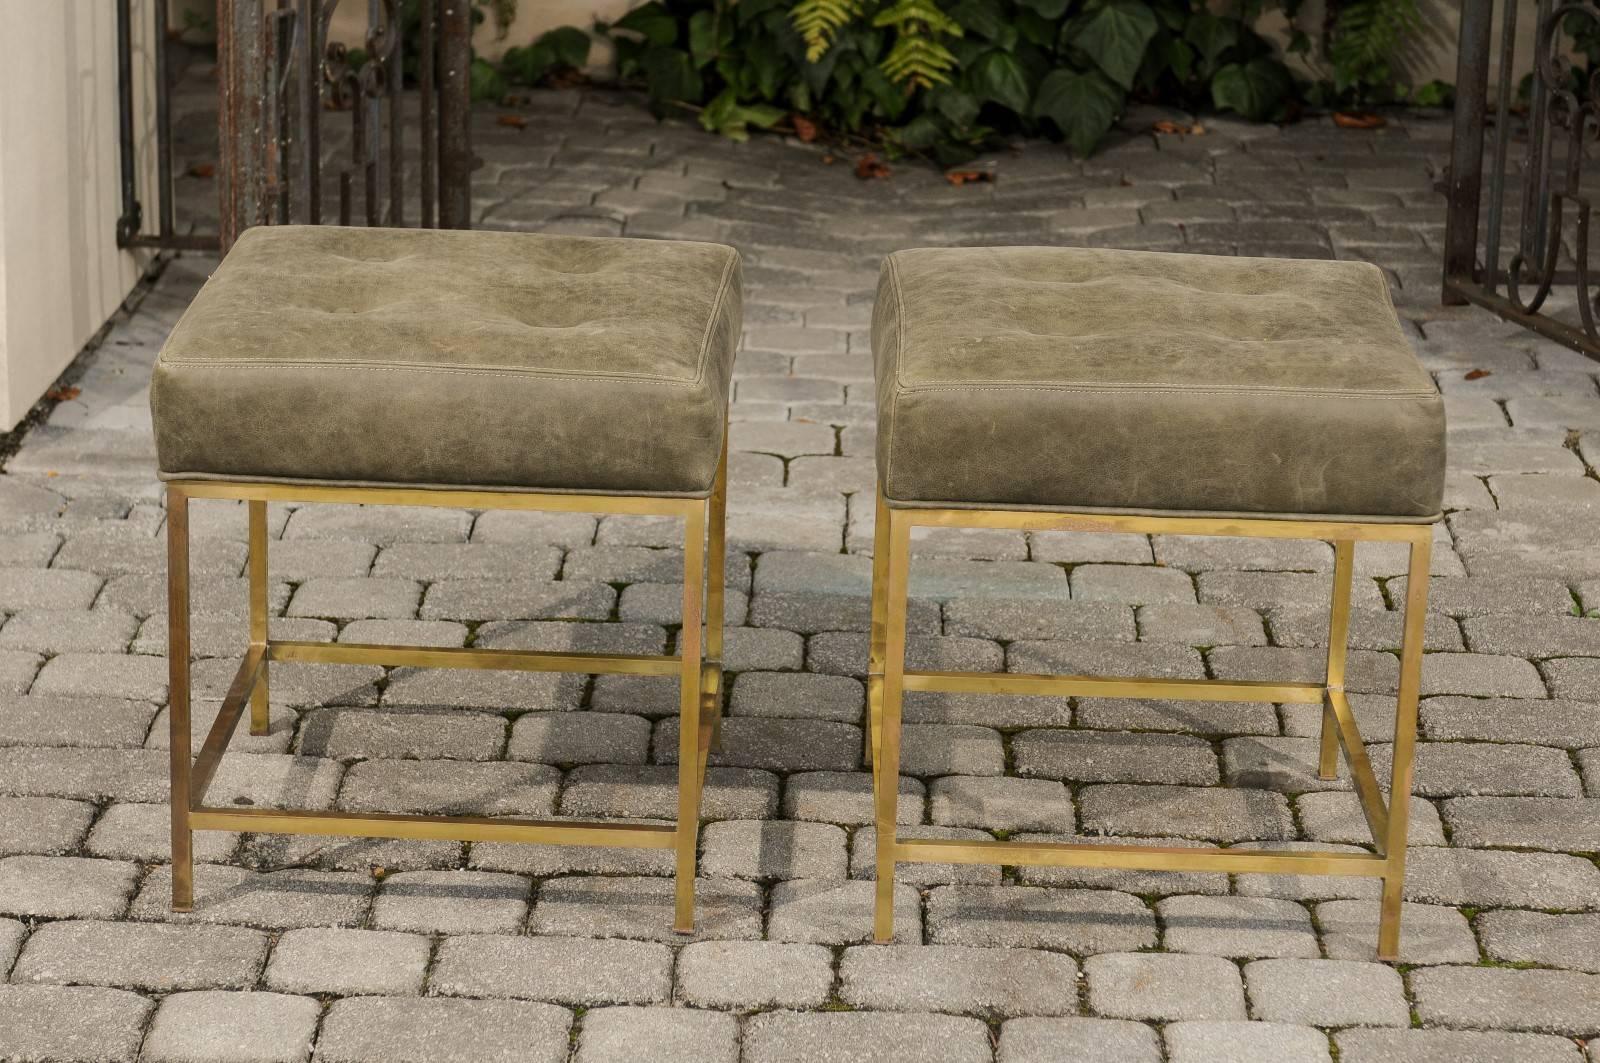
(1037, 389)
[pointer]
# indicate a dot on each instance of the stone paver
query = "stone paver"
(674, 1035)
(864, 1037)
(413, 961)
(1158, 987)
(223, 1027)
(313, 961)
(754, 975)
(78, 1023)
(1326, 993)
(430, 1030)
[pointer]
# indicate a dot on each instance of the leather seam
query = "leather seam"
(1135, 389)
(435, 369)
(894, 393)
(711, 321)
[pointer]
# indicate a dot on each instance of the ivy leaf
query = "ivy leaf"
(671, 76)
(1082, 103)
(485, 80)
(702, 37)
(999, 78)
(654, 22)
(727, 117)
(567, 46)
(1115, 36)
(958, 107)
(1257, 89)
(1048, 8)
(1211, 36)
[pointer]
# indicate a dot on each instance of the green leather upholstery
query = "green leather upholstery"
(501, 360)
(1140, 382)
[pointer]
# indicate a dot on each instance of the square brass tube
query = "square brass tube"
(889, 679)
(697, 664)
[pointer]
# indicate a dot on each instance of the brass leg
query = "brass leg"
(886, 765)
(689, 744)
(178, 696)
(1405, 743)
(258, 611)
(716, 576)
(1344, 555)
(880, 574)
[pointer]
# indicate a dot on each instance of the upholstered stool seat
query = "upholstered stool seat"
(469, 370)
(424, 357)
(1065, 389)
(1139, 382)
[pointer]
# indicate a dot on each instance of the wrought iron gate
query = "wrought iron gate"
(311, 130)
(1525, 255)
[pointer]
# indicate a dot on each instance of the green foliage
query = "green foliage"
(566, 48)
(1365, 40)
(487, 83)
(948, 78)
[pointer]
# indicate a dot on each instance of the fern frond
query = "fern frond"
(918, 61)
(918, 58)
(819, 21)
(924, 11)
(1366, 37)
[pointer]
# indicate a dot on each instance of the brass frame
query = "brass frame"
(697, 664)
(888, 679)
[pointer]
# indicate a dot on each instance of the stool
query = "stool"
(465, 369)
(1123, 391)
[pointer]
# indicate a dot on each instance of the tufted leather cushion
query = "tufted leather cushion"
(503, 360)
(1142, 382)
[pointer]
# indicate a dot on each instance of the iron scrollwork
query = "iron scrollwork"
(1578, 117)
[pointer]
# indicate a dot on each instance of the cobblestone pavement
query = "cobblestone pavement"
(490, 951)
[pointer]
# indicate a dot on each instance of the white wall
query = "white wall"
(61, 275)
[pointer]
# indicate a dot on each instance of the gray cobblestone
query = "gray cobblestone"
(1107, 756)
(60, 1022)
(66, 721)
(494, 789)
(226, 1027)
(954, 978)
(1428, 933)
(43, 826)
(1190, 717)
(1237, 927)
(1493, 878)
(863, 857)
(641, 908)
(1201, 625)
(825, 912)
(580, 738)
(675, 1035)
(1075, 920)
(1001, 803)
(649, 792)
(1452, 1046)
(1060, 1040)
(773, 849)
(1326, 993)
(275, 900)
(797, 695)
(452, 902)
(1568, 941)
(314, 961)
(1244, 1042)
(147, 956)
(517, 599)
(951, 749)
(572, 971)
(773, 744)
(1337, 817)
(413, 734)
(1030, 618)
(1159, 987)
(433, 1030)
(65, 887)
(1207, 813)
(53, 631)
(864, 1037)
(754, 975)
(1562, 1002)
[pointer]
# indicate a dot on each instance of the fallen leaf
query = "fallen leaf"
(1359, 120)
(514, 121)
(66, 394)
(379, 872)
(203, 169)
(828, 160)
(871, 168)
(804, 128)
(1167, 127)
(967, 177)
(1477, 374)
